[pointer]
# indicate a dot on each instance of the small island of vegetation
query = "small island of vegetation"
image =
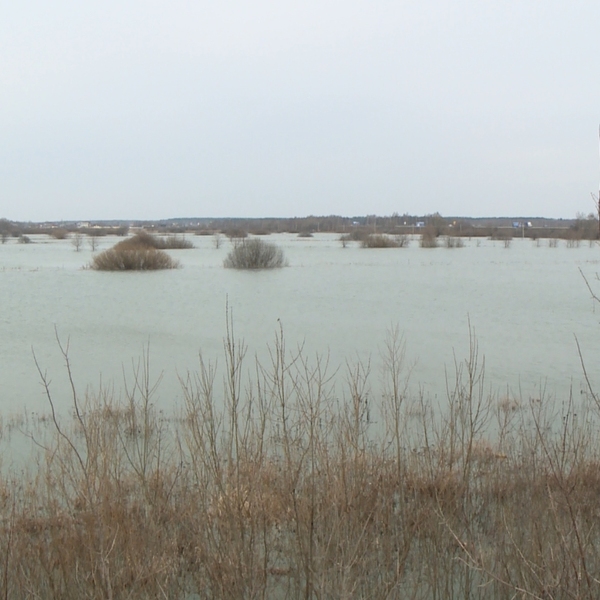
(142, 252)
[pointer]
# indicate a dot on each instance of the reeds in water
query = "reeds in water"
(281, 485)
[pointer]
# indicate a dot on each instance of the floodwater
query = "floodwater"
(526, 305)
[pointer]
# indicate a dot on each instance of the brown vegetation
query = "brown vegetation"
(132, 258)
(429, 237)
(254, 254)
(138, 253)
(59, 233)
(168, 242)
(235, 233)
(282, 486)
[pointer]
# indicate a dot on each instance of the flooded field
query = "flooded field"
(526, 303)
(356, 470)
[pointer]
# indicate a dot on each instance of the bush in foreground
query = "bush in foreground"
(281, 486)
(255, 254)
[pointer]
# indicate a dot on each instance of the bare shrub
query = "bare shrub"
(429, 237)
(59, 233)
(122, 230)
(169, 242)
(138, 253)
(553, 243)
(235, 233)
(452, 241)
(93, 241)
(6, 230)
(503, 235)
(402, 240)
(255, 254)
(77, 241)
(132, 258)
(278, 485)
(174, 242)
(381, 240)
(305, 234)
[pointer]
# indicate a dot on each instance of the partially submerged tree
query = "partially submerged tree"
(77, 241)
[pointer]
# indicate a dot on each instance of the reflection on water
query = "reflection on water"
(526, 304)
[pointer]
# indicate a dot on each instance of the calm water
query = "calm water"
(525, 303)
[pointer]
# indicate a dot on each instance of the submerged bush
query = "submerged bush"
(235, 233)
(59, 233)
(381, 240)
(429, 237)
(133, 258)
(255, 254)
(453, 241)
(130, 256)
(170, 242)
(138, 253)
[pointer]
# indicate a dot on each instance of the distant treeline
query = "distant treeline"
(582, 227)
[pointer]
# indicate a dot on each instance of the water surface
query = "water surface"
(526, 304)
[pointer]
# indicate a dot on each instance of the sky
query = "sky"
(147, 109)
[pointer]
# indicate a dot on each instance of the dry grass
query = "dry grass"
(279, 485)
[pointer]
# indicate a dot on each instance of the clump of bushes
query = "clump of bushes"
(170, 242)
(254, 253)
(356, 235)
(381, 240)
(235, 233)
(134, 254)
(59, 233)
(133, 258)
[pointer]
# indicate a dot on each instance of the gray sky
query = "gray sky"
(154, 109)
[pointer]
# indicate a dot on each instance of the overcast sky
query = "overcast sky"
(154, 109)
